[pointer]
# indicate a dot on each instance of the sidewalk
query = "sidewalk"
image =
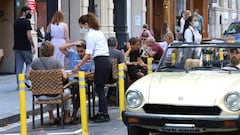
(9, 99)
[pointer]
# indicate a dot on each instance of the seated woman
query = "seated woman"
(46, 62)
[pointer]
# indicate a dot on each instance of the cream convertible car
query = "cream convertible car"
(194, 90)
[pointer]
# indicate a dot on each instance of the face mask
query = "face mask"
(195, 13)
(84, 30)
(28, 16)
(195, 24)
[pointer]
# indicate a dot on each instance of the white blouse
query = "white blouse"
(189, 37)
(96, 43)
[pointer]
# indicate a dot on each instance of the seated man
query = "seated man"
(74, 56)
(155, 52)
(46, 62)
(119, 55)
(132, 50)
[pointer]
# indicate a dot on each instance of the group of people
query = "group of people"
(94, 53)
(90, 54)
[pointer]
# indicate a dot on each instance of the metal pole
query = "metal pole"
(22, 97)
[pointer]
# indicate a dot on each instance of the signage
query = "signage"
(32, 5)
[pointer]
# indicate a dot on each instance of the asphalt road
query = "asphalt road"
(113, 127)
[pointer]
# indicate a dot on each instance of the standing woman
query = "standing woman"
(190, 32)
(97, 48)
(59, 34)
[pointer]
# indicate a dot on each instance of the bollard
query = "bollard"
(149, 65)
(221, 57)
(82, 92)
(121, 89)
(173, 58)
(22, 97)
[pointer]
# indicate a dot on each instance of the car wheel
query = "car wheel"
(132, 130)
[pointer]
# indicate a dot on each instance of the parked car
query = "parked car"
(233, 31)
(194, 90)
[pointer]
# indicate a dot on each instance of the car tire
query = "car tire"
(133, 130)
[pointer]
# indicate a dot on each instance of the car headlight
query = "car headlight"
(232, 101)
(133, 98)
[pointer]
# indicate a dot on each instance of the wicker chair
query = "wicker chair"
(47, 82)
(114, 77)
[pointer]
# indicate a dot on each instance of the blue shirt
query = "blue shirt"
(74, 59)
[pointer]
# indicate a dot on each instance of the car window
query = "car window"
(195, 58)
(233, 28)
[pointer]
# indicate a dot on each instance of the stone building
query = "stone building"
(120, 18)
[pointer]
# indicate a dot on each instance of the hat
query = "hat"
(25, 8)
(112, 41)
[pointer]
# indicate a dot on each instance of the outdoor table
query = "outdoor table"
(75, 92)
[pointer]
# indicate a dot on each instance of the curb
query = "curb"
(16, 117)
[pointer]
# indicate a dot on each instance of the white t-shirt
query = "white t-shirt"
(96, 44)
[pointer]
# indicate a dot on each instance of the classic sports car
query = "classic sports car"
(196, 89)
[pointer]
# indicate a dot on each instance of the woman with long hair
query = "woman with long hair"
(59, 34)
(97, 48)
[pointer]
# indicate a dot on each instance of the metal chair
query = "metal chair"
(47, 82)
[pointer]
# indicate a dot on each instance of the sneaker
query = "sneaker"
(101, 117)
(28, 84)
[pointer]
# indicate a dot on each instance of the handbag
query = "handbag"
(48, 34)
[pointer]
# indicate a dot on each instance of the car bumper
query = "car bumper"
(182, 123)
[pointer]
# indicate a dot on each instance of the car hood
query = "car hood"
(193, 88)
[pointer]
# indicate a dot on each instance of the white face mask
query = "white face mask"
(195, 24)
(84, 30)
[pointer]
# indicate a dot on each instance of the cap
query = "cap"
(25, 8)
(112, 41)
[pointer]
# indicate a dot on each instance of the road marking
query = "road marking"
(67, 133)
(9, 134)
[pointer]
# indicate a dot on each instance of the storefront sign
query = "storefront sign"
(32, 5)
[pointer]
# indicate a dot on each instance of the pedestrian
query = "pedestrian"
(47, 62)
(190, 32)
(149, 30)
(97, 49)
(119, 55)
(23, 43)
(59, 34)
(185, 15)
(164, 29)
(200, 25)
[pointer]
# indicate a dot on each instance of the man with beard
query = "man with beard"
(23, 43)
(235, 57)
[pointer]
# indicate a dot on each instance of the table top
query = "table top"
(88, 75)
(131, 63)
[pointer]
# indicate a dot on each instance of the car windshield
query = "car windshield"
(233, 28)
(190, 57)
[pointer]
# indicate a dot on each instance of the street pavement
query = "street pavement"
(10, 108)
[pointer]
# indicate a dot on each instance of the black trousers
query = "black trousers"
(102, 74)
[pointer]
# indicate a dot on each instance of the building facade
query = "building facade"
(119, 18)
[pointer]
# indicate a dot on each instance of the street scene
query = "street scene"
(119, 67)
